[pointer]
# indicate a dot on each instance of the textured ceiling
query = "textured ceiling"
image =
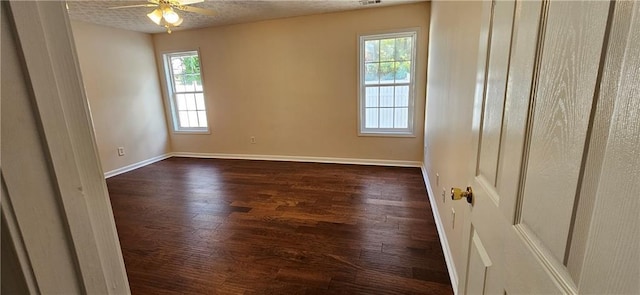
(228, 12)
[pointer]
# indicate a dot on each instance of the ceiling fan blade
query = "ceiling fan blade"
(131, 6)
(197, 10)
(189, 2)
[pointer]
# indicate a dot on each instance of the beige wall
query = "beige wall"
(121, 82)
(292, 83)
(454, 37)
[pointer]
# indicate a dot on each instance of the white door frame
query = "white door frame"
(44, 39)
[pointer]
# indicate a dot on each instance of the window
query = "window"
(184, 87)
(387, 77)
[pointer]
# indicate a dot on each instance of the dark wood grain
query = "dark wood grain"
(204, 226)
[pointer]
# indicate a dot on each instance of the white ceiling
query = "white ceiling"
(229, 12)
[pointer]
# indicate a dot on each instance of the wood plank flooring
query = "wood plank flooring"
(210, 226)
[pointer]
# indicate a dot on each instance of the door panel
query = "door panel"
(479, 262)
(606, 230)
(498, 65)
(489, 226)
(571, 49)
(517, 103)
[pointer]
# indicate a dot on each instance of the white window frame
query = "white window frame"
(397, 132)
(168, 72)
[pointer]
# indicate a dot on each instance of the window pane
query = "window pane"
(189, 84)
(185, 64)
(191, 64)
(401, 118)
(403, 48)
(371, 50)
(387, 49)
(191, 102)
(193, 77)
(181, 102)
(402, 96)
(193, 119)
(386, 118)
(190, 81)
(184, 119)
(386, 96)
(386, 72)
(176, 65)
(179, 83)
(186, 71)
(371, 95)
(200, 101)
(371, 73)
(371, 118)
(202, 118)
(403, 70)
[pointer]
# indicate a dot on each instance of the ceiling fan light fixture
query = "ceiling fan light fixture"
(170, 16)
(155, 16)
(179, 22)
(165, 13)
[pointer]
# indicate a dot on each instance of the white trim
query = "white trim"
(444, 242)
(376, 162)
(373, 162)
(17, 241)
(61, 115)
(383, 134)
(137, 165)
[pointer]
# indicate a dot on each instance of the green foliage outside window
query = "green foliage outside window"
(388, 59)
(190, 70)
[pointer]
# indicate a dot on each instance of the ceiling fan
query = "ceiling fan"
(164, 13)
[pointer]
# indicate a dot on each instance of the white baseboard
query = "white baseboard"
(375, 162)
(136, 165)
(444, 242)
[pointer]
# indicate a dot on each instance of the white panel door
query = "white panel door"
(541, 61)
(486, 226)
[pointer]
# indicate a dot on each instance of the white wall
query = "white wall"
(453, 52)
(292, 83)
(121, 82)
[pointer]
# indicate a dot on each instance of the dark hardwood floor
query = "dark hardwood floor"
(205, 226)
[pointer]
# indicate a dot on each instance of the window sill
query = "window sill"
(184, 132)
(386, 134)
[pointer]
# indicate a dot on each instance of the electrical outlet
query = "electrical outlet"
(453, 218)
(253, 139)
(120, 151)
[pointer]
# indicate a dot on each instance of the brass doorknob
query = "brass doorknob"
(457, 194)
